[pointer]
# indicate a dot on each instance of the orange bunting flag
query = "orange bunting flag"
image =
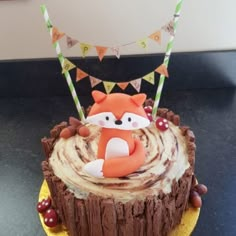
(80, 74)
(169, 27)
(123, 85)
(67, 65)
(71, 42)
(162, 69)
(136, 84)
(156, 36)
(143, 43)
(101, 51)
(116, 51)
(85, 48)
(108, 86)
(94, 81)
(56, 34)
(150, 77)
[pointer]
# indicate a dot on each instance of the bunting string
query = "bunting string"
(102, 50)
(109, 85)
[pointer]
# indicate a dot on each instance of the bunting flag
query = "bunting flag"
(156, 36)
(71, 42)
(101, 51)
(116, 51)
(150, 78)
(123, 85)
(94, 81)
(85, 47)
(80, 74)
(136, 84)
(169, 28)
(108, 86)
(143, 43)
(162, 69)
(56, 34)
(67, 65)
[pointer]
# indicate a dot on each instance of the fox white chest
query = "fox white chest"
(116, 147)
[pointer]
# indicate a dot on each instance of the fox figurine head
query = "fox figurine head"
(118, 111)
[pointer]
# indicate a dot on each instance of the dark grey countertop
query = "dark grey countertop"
(24, 121)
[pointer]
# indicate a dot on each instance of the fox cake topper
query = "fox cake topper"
(119, 154)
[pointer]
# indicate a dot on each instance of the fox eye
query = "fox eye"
(107, 118)
(129, 119)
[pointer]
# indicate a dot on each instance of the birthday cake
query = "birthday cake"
(149, 199)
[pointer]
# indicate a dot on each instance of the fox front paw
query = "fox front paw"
(94, 168)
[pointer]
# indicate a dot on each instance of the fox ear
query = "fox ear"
(139, 99)
(98, 96)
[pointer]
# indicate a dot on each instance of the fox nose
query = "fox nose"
(118, 122)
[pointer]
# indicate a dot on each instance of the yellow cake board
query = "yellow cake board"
(185, 228)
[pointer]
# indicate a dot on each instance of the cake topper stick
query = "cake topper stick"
(62, 59)
(167, 57)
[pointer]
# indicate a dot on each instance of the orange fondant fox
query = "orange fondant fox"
(119, 154)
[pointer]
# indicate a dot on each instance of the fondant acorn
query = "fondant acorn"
(50, 218)
(44, 205)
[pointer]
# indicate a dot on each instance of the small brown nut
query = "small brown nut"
(201, 189)
(83, 131)
(68, 132)
(195, 199)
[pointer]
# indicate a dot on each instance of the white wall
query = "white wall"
(204, 25)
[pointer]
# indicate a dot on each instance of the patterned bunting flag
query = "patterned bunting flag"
(85, 48)
(156, 36)
(80, 74)
(94, 81)
(169, 27)
(162, 69)
(123, 85)
(67, 65)
(150, 77)
(116, 51)
(108, 86)
(136, 84)
(143, 43)
(56, 34)
(101, 51)
(71, 42)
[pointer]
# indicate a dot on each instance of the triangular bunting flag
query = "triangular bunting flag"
(101, 51)
(56, 34)
(80, 74)
(123, 85)
(85, 48)
(162, 69)
(169, 27)
(150, 77)
(71, 42)
(143, 43)
(108, 86)
(94, 81)
(136, 84)
(116, 51)
(156, 36)
(67, 65)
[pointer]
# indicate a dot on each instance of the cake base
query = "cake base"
(185, 228)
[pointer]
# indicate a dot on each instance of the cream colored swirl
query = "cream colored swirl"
(166, 160)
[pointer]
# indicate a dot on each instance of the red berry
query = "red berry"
(201, 189)
(195, 199)
(162, 124)
(50, 218)
(148, 109)
(149, 116)
(44, 205)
